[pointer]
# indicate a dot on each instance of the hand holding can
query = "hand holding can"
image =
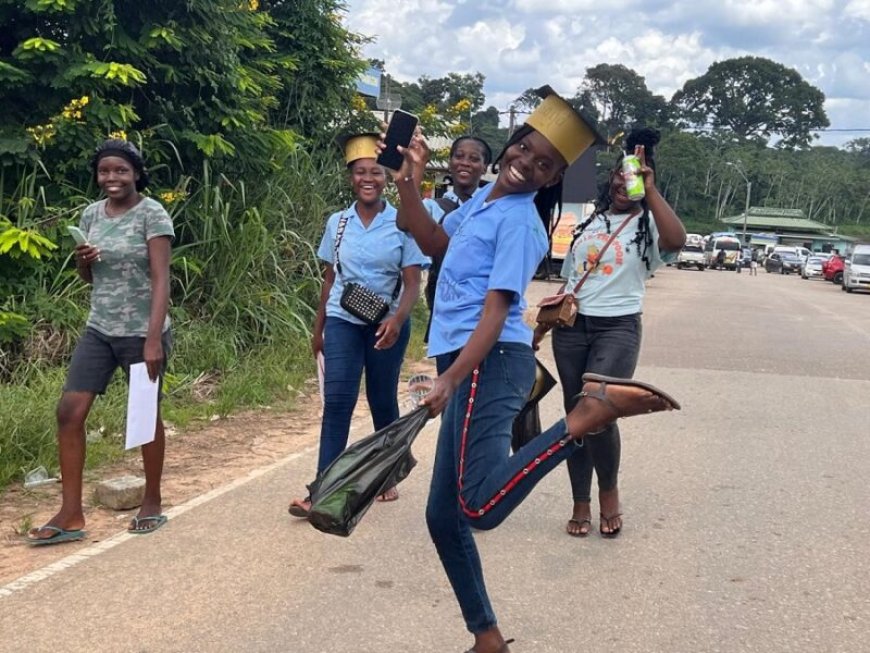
(634, 189)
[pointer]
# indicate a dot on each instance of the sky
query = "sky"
(519, 44)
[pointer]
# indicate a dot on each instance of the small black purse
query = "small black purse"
(361, 302)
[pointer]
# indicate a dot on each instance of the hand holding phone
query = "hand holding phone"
(400, 131)
(78, 235)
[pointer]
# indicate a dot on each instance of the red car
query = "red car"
(832, 269)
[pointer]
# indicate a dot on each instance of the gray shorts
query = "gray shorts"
(97, 356)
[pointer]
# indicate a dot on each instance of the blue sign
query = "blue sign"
(369, 83)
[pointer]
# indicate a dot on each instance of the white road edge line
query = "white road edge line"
(50, 570)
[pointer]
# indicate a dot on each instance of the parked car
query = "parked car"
(832, 269)
(801, 252)
(782, 262)
(691, 256)
(856, 273)
(812, 267)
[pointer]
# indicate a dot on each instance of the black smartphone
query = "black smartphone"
(399, 132)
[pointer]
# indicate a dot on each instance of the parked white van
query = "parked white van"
(856, 273)
(732, 248)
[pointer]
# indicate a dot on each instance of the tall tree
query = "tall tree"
(755, 98)
(445, 92)
(316, 58)
(620, 99)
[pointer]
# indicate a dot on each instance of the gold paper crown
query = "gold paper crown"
(359, 146)
(561, 124)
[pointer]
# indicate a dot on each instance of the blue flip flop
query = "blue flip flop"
(60, 536)
(136, 529)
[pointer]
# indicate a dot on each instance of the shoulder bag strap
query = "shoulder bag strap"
(339, 233)
(603, 249)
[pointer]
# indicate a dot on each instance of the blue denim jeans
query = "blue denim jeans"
(348, 349)
(476, 482)
(603, 345)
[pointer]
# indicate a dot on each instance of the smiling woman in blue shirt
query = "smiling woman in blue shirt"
(492, 246)
(362, 245)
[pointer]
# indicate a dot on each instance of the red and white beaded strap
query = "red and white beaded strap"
(480, 512)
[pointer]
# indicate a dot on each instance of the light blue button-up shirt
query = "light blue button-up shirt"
(494, 245)
(373, 257)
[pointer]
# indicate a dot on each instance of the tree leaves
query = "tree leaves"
(754, 98)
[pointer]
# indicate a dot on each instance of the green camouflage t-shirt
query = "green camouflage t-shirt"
(121, 294)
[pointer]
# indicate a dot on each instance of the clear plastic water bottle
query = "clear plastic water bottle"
(419, 386)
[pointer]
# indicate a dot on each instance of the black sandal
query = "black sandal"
(579, 523)
(613, 531)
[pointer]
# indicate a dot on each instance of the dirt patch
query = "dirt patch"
(198, 460)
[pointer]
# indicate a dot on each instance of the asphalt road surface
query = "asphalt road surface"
(747, 525)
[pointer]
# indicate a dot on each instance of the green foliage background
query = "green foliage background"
(235, 104)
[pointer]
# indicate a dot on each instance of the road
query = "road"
(746, 520)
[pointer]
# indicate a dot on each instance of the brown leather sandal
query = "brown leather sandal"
(601, 394)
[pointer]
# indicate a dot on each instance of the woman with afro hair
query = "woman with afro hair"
(126, 261)
(605, 338)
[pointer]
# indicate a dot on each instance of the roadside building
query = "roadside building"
(766, 226)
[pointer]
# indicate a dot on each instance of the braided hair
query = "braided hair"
(125, 150)
(546, 199)
(642, 240)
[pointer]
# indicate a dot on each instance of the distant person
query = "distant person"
(606, 335)
(126, 260)
(720, 259)
(362, 245)
(753, 263)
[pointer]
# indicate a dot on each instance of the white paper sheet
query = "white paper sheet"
(321, 370)
(141, 407)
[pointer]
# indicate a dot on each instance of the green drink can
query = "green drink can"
(633, 179)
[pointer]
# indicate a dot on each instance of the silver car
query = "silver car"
(812, 267)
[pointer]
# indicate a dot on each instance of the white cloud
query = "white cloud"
(518, 44)
(858, 9)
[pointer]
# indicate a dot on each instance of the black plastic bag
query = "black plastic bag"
(346, 489)
(527, 423)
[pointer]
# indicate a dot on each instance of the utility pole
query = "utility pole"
(739, 168)
(512, 121)
(746, 211)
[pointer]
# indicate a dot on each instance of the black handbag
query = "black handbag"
(527, 424)
(361, 302)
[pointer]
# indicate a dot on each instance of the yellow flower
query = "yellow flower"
(172, 196)
(253, 5)
(358, 103)
(119, 134)
(462, 106)
(428, 113)
(441, 154)
(42, 134)
(73, 110)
